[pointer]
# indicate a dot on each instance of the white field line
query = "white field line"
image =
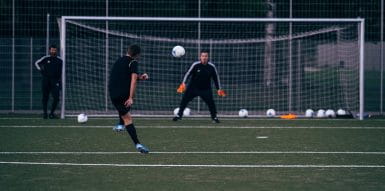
(180, 127)
(194, 152)
(193, 118)
(194, 165)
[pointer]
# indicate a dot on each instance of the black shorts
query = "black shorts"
(119, 105)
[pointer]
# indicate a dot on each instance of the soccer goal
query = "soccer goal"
(288, 65)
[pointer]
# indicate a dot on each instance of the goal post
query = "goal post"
(319, 64)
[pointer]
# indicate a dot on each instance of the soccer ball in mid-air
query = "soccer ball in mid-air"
(82, 118)
(186, 112)
(270, 113)
(321, 113)
(178, 51)
(243, 113)
(330, 113)
(309, 113)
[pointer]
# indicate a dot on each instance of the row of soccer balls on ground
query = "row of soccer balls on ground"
(321, 113)
(82, 118)
(271, 113)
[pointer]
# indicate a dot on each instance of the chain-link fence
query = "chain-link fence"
(27, 27)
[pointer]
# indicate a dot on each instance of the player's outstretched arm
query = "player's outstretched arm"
(221, 93)
(217, 83)
(181, 88)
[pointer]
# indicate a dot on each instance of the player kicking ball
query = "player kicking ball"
(201, 73)
(122, 85)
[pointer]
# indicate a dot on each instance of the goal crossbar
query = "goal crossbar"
(63, 18)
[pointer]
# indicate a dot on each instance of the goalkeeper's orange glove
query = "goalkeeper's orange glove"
(182, 88)
(221, 93)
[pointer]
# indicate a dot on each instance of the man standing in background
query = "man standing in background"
(50, 67)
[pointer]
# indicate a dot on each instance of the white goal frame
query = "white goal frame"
(361, 40)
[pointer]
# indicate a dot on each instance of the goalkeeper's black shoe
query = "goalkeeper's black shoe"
(176, 118)
(53, 116)
(216, 120)
(45, 116)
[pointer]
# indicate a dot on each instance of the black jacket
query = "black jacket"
(50, 67)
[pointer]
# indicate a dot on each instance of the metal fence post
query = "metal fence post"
(47, 35)
(382, 59)
(31, 73)
(13, 58)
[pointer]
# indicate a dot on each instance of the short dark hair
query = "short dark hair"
(205, 51)
(52, 46)
(133, 50)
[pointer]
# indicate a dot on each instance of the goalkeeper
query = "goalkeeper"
(201, 73)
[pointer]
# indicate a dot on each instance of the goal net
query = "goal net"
(289, 65)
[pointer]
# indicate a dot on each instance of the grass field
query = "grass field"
(194, 154)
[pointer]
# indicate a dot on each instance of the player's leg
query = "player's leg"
(55, 92)
(120, 126)
(132, 132)
(121, 121)
(188, 96)
(130, 127)
(207, 97)
(45, 87)
(124, 113)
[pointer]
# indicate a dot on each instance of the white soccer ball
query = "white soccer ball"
(321, 113)
(176, 110)
(82, 118)
(309, 113)
(243, 113)
(341, 112)
(270, 113)
(330, 113)
(178, 51)
(186, 112)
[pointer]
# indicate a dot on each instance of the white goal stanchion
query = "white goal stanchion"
(318, 64)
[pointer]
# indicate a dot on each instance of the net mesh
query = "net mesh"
(261, 65)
